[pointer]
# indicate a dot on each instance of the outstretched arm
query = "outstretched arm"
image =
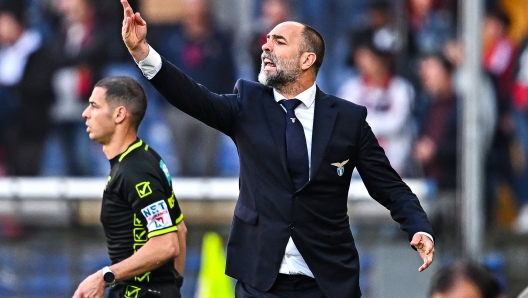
(178, 89)
(134, 32)
(386, 187)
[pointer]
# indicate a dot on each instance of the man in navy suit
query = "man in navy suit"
(289, 239)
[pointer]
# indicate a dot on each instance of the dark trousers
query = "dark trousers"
(285, 286)
(137, 290)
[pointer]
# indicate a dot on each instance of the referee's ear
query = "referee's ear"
(120, 114)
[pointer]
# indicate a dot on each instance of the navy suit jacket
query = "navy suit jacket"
(269, 210)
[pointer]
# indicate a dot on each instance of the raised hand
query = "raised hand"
(134, 32)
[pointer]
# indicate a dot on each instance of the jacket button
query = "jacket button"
(291, 226)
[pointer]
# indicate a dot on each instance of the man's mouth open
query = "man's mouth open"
(268, 63)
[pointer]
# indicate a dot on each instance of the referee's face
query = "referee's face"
(100, 124)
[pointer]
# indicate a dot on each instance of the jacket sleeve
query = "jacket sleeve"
(386, 186)
(216, 110)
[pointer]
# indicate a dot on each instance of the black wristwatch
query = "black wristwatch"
(108, 276)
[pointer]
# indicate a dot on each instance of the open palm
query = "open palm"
(134, 29)
(425, 248)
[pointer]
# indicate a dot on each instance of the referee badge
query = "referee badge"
(143, 189)
(340, 167)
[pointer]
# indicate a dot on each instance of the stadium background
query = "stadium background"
(50, 240)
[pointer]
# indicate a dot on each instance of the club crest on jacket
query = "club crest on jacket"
(340, 167)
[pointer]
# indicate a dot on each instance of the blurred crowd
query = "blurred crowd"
(399, 58)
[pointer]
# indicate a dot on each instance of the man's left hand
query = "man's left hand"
(425, 248)
(92, 287)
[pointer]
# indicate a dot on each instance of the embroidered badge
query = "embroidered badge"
(340, 167)
(132, 291)
(143, 189)
(157, 216)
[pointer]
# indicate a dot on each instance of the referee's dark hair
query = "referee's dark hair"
(127, 92)
(479, 275)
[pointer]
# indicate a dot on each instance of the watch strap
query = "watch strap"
(108, 276)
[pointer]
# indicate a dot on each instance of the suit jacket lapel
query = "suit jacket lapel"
(324, 119)
(275, 115)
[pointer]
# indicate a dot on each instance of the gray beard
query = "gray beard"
(285, 73)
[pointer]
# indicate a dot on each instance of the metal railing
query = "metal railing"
(65, 200)
(57, 188)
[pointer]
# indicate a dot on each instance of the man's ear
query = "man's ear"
(120, 114)
(307, 60)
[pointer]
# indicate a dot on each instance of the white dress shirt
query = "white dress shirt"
(292, 262)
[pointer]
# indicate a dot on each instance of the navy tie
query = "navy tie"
(296, 150)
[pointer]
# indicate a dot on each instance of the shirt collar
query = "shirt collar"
(307, 96)
(136, 144)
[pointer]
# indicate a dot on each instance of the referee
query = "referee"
(142, 220)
